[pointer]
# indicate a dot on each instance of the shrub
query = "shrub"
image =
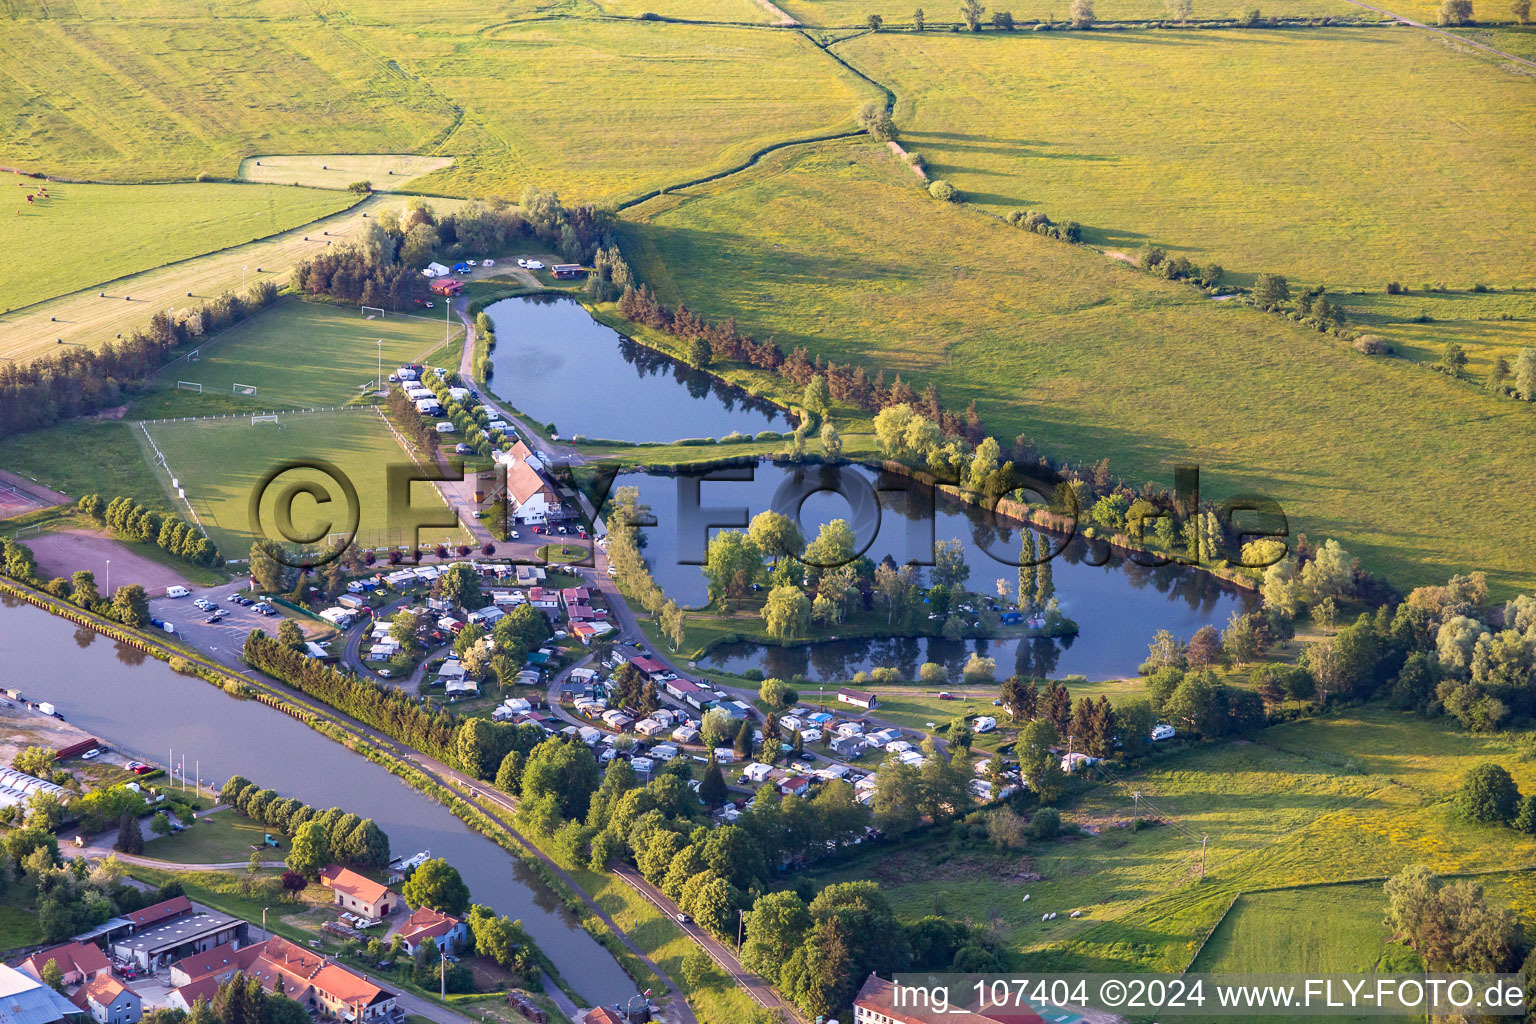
(650, 16)
(769, 435)
(1046, 824)
(1395, 288)
(944, 191)
(1371, 345)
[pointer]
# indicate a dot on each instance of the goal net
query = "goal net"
(244, 389)
(194, 355)
(372, 313)
(189, 385)
(270, 417)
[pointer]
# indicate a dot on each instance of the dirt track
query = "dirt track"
(59, 554)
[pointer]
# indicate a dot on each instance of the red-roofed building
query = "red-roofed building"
(425, 923)
(164, 911)
(81, 962)
(314, 982)
(184, 997)
(649, 667)
(603, 1015)
(575, 595)
(220, 963)
(358, 894)
(109, 1001)
(584, 613)
(533, 499)
(797, 786)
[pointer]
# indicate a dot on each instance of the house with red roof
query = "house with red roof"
(358, 894)
(81, 962)
(319, 985)
(448, 932)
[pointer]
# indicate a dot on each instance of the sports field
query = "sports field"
(86, 318)
(308, 354)
(545, 102)
(125, 229)
(838, 250)
(1345, 156)
(221, 462)
(146, 99)
(386, 172)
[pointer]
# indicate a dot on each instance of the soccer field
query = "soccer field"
(303, 354)
(222, 462)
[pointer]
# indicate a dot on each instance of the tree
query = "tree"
(289, 633)
(776, 693)
(460, 587)
(437, 884)
(732, 564)
(1525, 374)
(898, 797)
(1521, 9)
(944, 192)
(831, 442)
(1269, 290)
(129, 838)
(310, 850)
(1021, 698)
(1455, 12)
(787, 613)
(1082, 13)
(972, 11)
(1179, 10)
(697, 969)
(294, 883)
(1487, 795)
(1002, 20)
(130, 605)
(1038, 765)
(1204, 647)
(83, 590)
(53, 975)
(775, 535)
(919, 20)
(34, 760)
(776, 927)
(712, 788)
(160, 824)
(564, 770)
(1450, 926)
(979, 669)
(818, 396)
(269, 574)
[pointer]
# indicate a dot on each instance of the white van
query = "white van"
(176, 591)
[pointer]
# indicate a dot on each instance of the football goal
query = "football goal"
(189, 385)
(372, 313)
(266, 417)
(244, 389)
(194, 355)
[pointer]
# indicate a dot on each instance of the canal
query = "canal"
(142, 708)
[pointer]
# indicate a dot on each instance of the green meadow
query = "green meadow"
(310, 354)
(125, 229)
(844, 13)
(1343, 156)
(221, 463)
(837, 248)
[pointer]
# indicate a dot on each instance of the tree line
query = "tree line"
(351, 840)
(78, 380)
(132, 521)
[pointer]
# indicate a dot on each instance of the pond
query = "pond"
(556, 364)
(1117, 603)
(142, 708)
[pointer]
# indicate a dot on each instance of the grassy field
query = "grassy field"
(309, 354)
(85, 457)
(387, 172)
(544, 101)
(1420, 323)
(85, 318)
(129, 228)
(836, 249)
(1333, 929)
(221, 462)
(150, 100)
(1352, 797)
(1322, 154)
(223, 838)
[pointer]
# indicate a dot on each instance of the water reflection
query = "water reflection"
(1117, 603)
(558, 365)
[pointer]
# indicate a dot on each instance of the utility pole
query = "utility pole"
(442, 975)
(380, 381)
(447, 319)
(242, 280)
(1136, 814)
(1203, 839)
(741, 918)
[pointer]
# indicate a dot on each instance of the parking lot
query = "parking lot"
(222, 640)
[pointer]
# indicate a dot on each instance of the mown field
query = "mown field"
(86, 318)
(837, 249)
(150, 100)
(386, 172)
(125, 229)
(1353, 797)
(547, 103)
(309, 354)
(1345, 156)
(220, 463)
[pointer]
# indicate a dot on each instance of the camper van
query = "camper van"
(176, 591)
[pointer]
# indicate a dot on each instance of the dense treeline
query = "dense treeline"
(418, 428)
(388, 710)
(132, 521)
(354, 841)
(78, 381)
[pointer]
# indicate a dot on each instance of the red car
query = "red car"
(139, 768)
(946, 695)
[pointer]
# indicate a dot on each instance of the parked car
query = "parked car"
(946, 695)
(522, 262)
(683, 918)
(91, 755)
(514, 535)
